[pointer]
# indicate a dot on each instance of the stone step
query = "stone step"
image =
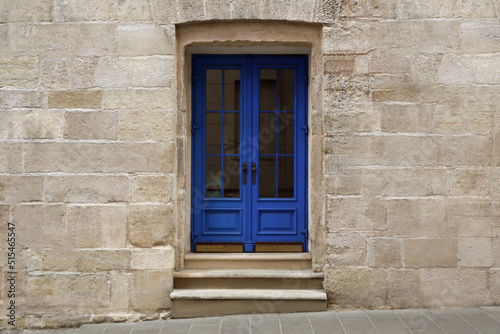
(248, 279)
(188, 303)
(247, 261)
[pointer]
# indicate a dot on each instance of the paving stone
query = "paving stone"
(449, 321)
(356, 322)
(91, 329)
(387, 322)
(177, 325)
(207, 321)
(418, 322)
(235, 321)
(480, 320)
(125, 328)
(212, 329)
(492, 311)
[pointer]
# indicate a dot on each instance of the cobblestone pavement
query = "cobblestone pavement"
(485, 320)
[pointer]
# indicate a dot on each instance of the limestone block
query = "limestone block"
(403, 289)
(119, 287)
(495, 180)
(419, 217)
(165, 11)
(150, 225)
(143, 40)
(147, 125)
(55, 73)
(385, 252)
(31, 124)
(461, 117)
(405, 150)
(154, 189)
(346, 182)
(390, 62)
(469, 207)
(356, 287)
(407, 118)
(96, 157)
(351, 37)
(346, 92)
(423, 253)
(372, 8)
(88, 99)
(86, 292)
(20, 188)
(25, 11)
(304, 10)
(327, 10)
(91, 125)
(388, 81)
(51, 39)
(345, 249)
(98, 40)
(406, 93)
(190, 11)
(486, 69)
(469, 182)
(449, 287)
(466, 151)
(97, 226)
(161, 258)
(494, 283)
(22, 99)
(349, 121)
(474, 226)
(151, 290)
(355, 213)
(101, 10)
(139, 99)
(404, 182)
(480, 38)
(11, 157)
(456, 70)
(40, 226)
(475, 252)
(425, 69)
(86, 188)
(19, 72)
(243, 10)
(86, 260)
(113, 72)
(83, 72)
(274, 9)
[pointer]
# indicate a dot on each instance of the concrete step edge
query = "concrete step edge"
(248, 294)
(248, 273)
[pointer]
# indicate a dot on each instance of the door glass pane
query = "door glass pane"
(213, 138)
(231, 177)
(231, 133)
(267, 177)
(285, 177)
(231, 90)
(213, 176)
(285, 132)
(267, 89)
(286, 89)
(267, 133)
(214, 90)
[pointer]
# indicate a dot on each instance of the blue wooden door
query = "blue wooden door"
(249, 150)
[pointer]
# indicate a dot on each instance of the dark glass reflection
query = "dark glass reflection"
(285, 177)
(213, 140)
(231, 90)
(231, 133)
(214, 90)
(267, 133)
(231, 177)
(267, 177)
(285, 132)
(213, 177)
(286, 88)
(267, 89)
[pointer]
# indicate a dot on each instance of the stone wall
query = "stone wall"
(409, 197)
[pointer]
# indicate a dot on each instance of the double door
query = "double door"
(249, 152)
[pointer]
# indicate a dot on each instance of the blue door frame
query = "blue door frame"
(249, 153)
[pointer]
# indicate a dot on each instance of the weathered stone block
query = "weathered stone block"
(25, 11)
(343, 249)
(461, 117)
(389, 62)
(243, 10)
(20, 188)
(494, 283)
(456, 70)
(95, 157)
(403, 289)
(408, 93)
(404, 151)
(19, 72)
(356, 287)
(88, 99)
(143, 40)
(385, 252)
(190, 11)
(480, 38)
(466, 151)
(346, 93)
(346, 182)
(83, 72)
(151, 289)
(86, 260)
(371, 8)
(449, 287)
(153, 259)
(304, 10)
(404, 182)
(87, 292)
(474, 226)
(147, 125)
(40, 226)
(11, 157)
(418, 218)
(351, 37)
(475, 252)
(423, 253)
(21, 99)
(469, 207)
(349, 121)
(155, 189)
(113, 72)
(97, 225)
(91, 125)
(327, 10)
(407, 118)
(338, 64)
(119, 287)
(51, 39)
(33, 124)
(139, 99)
(55, 73)
(486, 67)
(165, 11)
(355, 213)
(150, 225)
(87, 188)
(99, 10)
(469, 182)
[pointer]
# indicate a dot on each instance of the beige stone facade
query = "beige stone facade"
(95, 168)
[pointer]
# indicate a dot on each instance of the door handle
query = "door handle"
(254, 170)
(244, 173)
